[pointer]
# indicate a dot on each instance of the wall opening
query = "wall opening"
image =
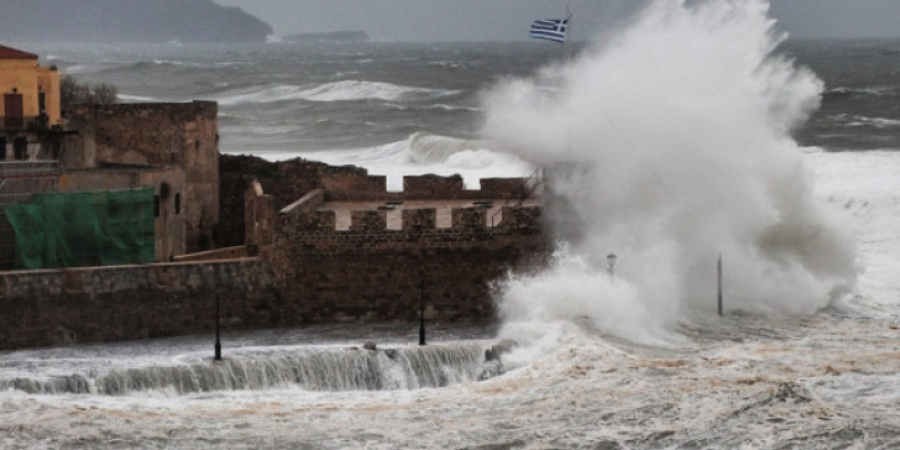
(155, 206)
(177, 203)
(42, 108)
(20, 148)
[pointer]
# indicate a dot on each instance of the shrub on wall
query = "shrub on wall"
(73, 92)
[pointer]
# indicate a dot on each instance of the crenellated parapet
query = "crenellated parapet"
(419, 220)
(350, 183)
(368, 221)
(521, 220)
(432, 187)
(524, 219)
(313, 222)
(368, 232)
(353, 183)
(469, 219)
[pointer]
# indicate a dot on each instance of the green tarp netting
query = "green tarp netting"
(77, 229)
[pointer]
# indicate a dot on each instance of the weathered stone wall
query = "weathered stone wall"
(60, 307)
(370, 273)
(285, 182)
(182, 134)
(168, 186)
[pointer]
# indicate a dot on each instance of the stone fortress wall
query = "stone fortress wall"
(352, 251)
(297, 242)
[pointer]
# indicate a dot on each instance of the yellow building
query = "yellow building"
(30, 103)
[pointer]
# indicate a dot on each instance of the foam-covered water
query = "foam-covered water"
(669, 165)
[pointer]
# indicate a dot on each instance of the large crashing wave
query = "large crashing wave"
(676, 139)
(426, 148)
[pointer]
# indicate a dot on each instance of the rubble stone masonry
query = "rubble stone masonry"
(60, 307)
(373, 268)
(333, 246)
(159, 134)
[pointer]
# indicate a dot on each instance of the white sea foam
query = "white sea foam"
(128, 98)
(347, 90)
(863, 121)
(679, 133)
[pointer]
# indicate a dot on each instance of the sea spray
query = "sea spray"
(669, 145)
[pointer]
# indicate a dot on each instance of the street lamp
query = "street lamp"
(422, 313)
(218, 346)
(611, 260)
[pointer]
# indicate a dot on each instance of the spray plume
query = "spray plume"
(670, 144)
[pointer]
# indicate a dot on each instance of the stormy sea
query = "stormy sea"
(689, 134)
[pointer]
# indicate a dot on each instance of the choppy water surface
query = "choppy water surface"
(808, 352)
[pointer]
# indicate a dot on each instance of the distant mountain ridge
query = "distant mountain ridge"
(134, 21)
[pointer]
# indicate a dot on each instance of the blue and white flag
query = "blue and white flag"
(550, 29)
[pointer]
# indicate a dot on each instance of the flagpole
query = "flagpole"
(567, 46)
(567, 54)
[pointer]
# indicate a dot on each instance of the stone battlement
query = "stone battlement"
(352, 202)
(388, 220)
(350, 183)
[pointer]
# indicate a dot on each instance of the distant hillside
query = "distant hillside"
(334, 36)
(128, 21)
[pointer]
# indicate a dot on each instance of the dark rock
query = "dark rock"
(498, 349)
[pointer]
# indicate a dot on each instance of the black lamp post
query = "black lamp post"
(218, 356)
(611, 260)
(422, 313)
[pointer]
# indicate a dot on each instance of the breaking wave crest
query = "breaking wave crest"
(841, 92)
(852, 120)
(427, 148)
(348, 90)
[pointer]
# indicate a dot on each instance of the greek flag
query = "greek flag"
(550, 29)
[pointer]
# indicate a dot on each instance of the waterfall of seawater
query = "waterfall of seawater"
(321, 369)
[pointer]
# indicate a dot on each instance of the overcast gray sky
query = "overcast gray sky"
(480, 20)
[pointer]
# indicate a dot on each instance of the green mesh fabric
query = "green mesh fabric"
(77, 229)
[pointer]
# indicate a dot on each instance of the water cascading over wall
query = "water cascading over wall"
(310, 368)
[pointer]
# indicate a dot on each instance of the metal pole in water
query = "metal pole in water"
(611, 261)
(422, 313)
(720, 284)
(218, 356)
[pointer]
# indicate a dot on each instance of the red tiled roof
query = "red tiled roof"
(11, 53)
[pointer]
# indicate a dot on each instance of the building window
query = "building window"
(2, 148)
(177, 203)
(155, 206)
